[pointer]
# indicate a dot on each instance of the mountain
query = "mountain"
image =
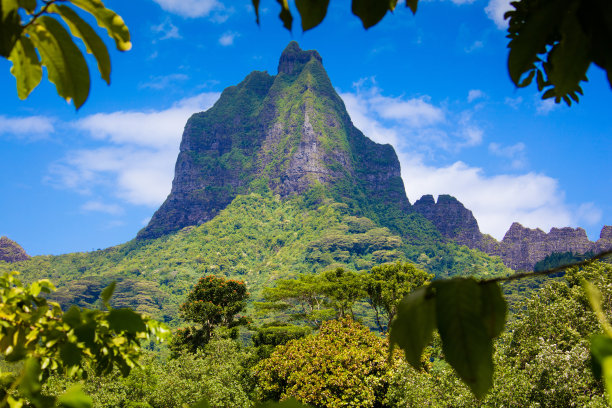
(521, 248)
(288, 133)
(272, 181)
(10, 251)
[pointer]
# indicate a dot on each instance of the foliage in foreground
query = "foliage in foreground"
(46, 340)
(32, 36)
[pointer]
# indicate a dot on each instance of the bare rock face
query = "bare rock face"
(10, 251)
(521, 248)
(451, 218)
(288, 133)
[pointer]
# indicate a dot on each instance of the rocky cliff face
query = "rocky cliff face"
(10, 251)
(451, 218)
(521, 248)
(289, 133)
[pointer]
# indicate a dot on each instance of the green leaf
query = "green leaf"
(125, 320)
(494, 308)
(79, 28)
(414, 324)
(466, 342)
(531, 39)
(372, 11)
(594, 296)
(256, 7)
(413, 5)
(10, 27)
(70, 354)
(65, 64)
(108, 19)
(312, 12)
(570, 58)
(74, 397)
(285, 14)
(73, 316)
(601, 361)
(26, 67)
(525, 82)
(107, 293)
(28, 5)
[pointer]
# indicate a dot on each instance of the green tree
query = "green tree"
(38, 334)
(213, 302)
(33, 35)
(386, 285)
(343, 365)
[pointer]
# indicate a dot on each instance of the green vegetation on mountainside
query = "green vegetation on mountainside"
(257, 238)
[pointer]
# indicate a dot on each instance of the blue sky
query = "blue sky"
(434, 85)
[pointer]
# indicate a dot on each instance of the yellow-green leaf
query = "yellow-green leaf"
(28, 5)
(412, 4)
(74, 397)
(256, 7)
(93, 42)
(594, 296)
(108, 19)
(65, 64)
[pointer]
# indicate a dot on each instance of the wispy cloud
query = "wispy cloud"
(164, 81)
(228, 38)
(497, 200)
(544, 107)
(166, 30)
(413, 122)
(98, 206)
(135, 161)
(475, 94)
(27, 127)
(190, 8)
(514, 153)
(495, 11)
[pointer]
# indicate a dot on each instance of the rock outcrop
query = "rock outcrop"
(451, 218)
(521, 248)
(10, 251)
(288, 133)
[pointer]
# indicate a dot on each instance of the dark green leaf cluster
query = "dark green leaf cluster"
(555, 42)
(468, 316)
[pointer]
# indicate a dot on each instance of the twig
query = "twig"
(42, 11)
(550, 271)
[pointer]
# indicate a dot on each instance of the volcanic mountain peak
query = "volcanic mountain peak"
(288, 133)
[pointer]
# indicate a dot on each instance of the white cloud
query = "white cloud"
(589, 214)
(136, 162)
(167, 30)
(515, 153)
(29, 127)
(496, 10)
(155, 129)
(514, 103)
(228, 38)
(99, 206)
(475, 94)
(461, 2)
(545, 106)
(162, 82)
(533, 199)
(190, 8)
